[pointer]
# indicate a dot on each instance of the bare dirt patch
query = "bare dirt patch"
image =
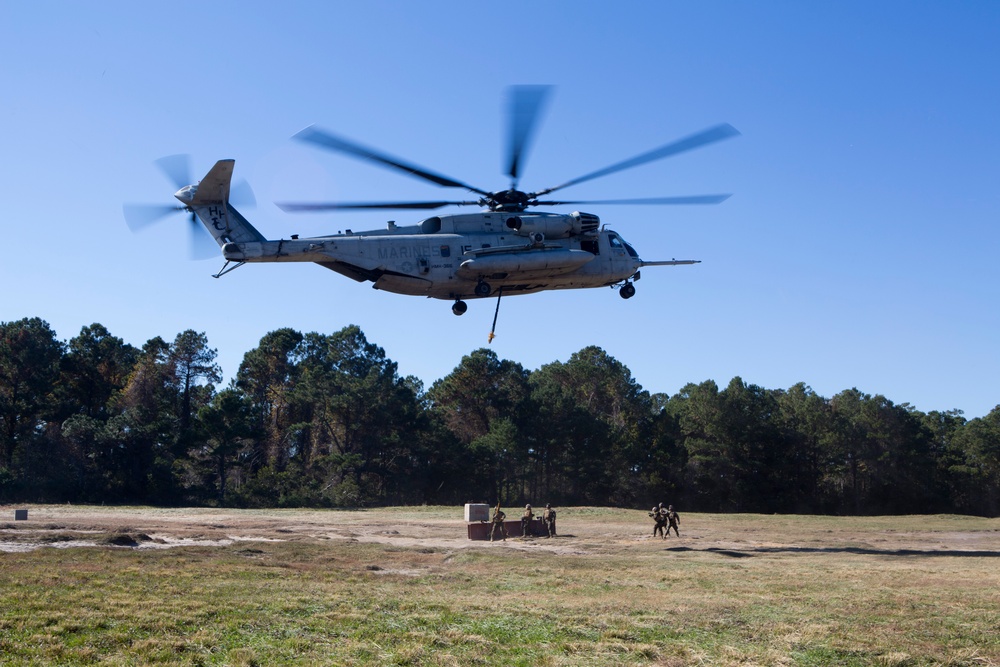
(596, 530)
(159, 528)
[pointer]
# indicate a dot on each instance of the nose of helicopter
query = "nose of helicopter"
(186, 194)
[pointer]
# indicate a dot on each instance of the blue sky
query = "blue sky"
(859, 248)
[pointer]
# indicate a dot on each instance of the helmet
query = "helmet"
(527, 507)
(548, 506)
(660, 505)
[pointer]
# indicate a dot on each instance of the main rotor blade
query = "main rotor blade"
(292, 207)
(177, 168)
(315, 136)
(703, 138)
(525, 106)
(140, 216)
(655, 201)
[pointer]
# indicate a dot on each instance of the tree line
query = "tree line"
(325, 420)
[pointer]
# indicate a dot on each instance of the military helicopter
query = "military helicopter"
(503, 249)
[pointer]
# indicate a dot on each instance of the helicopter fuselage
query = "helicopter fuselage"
(464, 255)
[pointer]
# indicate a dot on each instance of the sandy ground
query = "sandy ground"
(61, 526)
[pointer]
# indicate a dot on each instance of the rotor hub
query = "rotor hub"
(511, 200)
(186, 194)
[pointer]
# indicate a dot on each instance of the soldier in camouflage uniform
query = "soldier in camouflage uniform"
(526, 521)
(659, 518)
(673, 519)
(498, 518)
(549, 517)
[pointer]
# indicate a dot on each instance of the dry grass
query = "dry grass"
(402, 587)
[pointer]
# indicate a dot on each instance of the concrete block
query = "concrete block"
(477, 512)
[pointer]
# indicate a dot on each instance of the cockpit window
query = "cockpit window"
(630, 250)
(614, 241)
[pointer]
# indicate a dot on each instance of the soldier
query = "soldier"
(526, 521)
(659, 519)
(498, 518)
(549, 517)
(673, 519)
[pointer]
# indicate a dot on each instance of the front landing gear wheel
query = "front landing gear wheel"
(483, 289)
(627, 291)
(459, 307)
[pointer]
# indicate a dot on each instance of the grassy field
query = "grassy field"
(402, 587)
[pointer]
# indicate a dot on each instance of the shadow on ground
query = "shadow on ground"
(864, 551)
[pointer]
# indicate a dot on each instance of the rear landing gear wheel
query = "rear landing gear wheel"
(627, 291)
(483, 289)
(459, 307)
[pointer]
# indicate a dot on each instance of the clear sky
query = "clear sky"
(859, 249)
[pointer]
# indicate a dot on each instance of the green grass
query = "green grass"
(797, 596)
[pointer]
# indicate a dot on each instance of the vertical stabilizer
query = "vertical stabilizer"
(210, 202)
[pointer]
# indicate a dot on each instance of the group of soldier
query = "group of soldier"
(665, 517)
(499, 516)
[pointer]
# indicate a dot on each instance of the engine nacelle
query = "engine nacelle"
(554, 226)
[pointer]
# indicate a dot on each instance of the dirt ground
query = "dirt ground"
(581, 530)
(62, 526)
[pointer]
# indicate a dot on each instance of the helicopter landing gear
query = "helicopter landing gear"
(483, 288)
(627, 291)
(459, 307)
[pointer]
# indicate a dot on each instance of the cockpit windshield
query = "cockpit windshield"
(616, 242)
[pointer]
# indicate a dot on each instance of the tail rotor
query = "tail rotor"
(177, 169)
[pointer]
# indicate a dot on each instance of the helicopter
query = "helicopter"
(504, 249)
